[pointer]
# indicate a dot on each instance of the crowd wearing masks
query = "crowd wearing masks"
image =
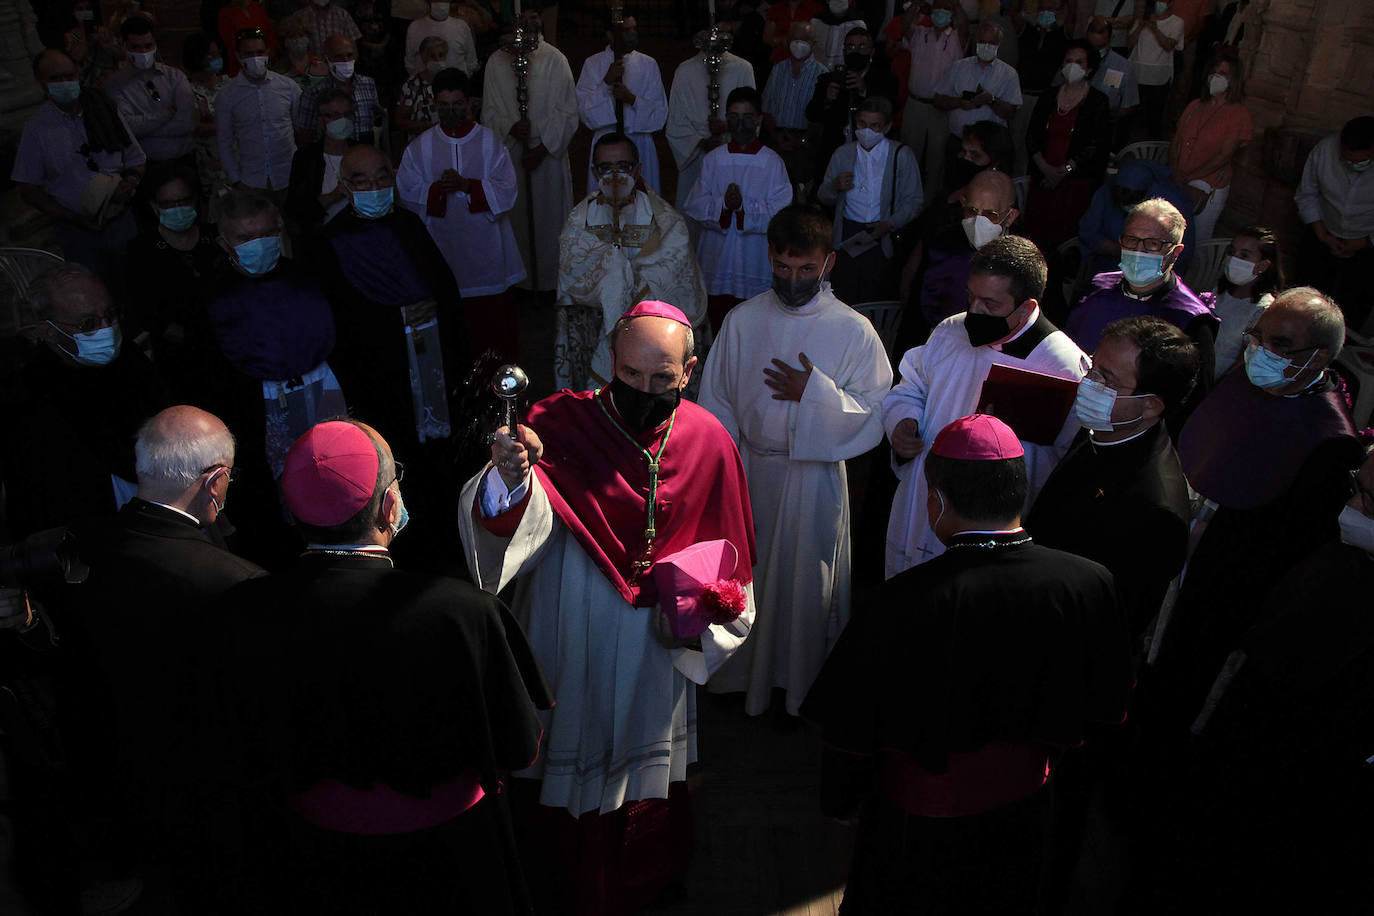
(911, 400)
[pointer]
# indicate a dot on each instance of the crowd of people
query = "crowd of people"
(1124, 524)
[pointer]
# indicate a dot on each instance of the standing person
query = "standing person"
(153, 98)
(572, 518)
(935, 48)
(947, 702)
(796, 425)
(1336, 202)
(1252, 275)
(342, 54)
(236, 16)
(203, 58)
(978, 88)
(369, 737)
(538, 146)
(1211, 132)
(839, 93)
(789, 88)
(253, 121)
(833, 25)
(874, 185)
(620, 243)
(314, 195)
(1114, 77)
(324, 18)
(942, 379)
(693, 129)
(459, 178)
(621, 90)
(741, 187)
(414, 112)
(1153, 40)
(296, 60)
(778, 23)
(462, 49)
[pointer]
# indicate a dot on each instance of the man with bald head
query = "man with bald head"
(342, 55)
(139, 626)
(369, 726)
(593, 505)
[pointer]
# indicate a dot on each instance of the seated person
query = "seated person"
(1136, 180)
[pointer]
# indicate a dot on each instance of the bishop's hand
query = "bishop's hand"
(513, 458)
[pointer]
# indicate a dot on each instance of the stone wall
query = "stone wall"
(1309, 68)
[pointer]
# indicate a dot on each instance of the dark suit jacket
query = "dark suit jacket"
(1125, 506)
(1090, 142)
(834, 116)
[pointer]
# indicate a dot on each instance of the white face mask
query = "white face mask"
(1357, 529)
(1094, 403)
(986, 52)
(341, 70)
(980, 230)
(1239, 271)
(96, 348)
(143, 60)
(868, 137)
(1217, 84)
(255, 67)
(799, 49)
(616, 187)
(839, 7)
(1073, 73)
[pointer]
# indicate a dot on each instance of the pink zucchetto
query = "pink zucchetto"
(656, 308)
(977, 437)
(330, 474)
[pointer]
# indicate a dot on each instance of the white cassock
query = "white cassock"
(642, 119)
(553, 122)
(794, 454)
(653, 261)
(479, 247)
(462, 50)
(735, 259)
(625, 723)
(689, 112)
(941, 382)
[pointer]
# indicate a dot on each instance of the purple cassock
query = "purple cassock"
(1109, 301)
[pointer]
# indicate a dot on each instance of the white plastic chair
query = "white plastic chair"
(1205, 270)
(886, 315)
(1357, 363)
(1156, 150)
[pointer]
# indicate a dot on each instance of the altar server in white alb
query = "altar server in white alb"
(538, 144)
(942, 380)
(620, 89)
(693, 130)
(797, 378)
(458, 176)
(742, 185)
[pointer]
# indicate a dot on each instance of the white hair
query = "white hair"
(173, 463)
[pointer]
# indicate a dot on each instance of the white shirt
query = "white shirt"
(863, 203)
(971, 75)
(254, 128)
(1336, 194)
(462, 50)
(1154, 66)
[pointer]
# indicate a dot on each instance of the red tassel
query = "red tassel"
(723, 600)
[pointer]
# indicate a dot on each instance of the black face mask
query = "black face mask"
(796, 293)
(985, 329)
(453, 120)
(857, 62)
(641, 409)
(629, 41)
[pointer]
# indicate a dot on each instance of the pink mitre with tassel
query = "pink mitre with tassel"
(695, 590)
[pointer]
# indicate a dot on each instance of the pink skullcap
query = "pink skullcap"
(330, 474)
(656, 308)
(978, 437)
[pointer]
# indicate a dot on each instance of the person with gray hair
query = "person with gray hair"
(415, 112)
(80, 393)
(1147, 284)
(137, 625)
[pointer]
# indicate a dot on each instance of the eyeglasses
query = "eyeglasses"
(604, 169)
(400, 472)
(1136, 243)
(1253, 335)
(231, 473)
(970, 212)
(91, 323)
(152, 91)
(1364, 493)
(246, 34)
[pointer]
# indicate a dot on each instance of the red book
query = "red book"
(1033, 404)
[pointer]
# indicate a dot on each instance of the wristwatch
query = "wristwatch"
(1068, 167)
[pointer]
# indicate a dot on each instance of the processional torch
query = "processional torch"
(617, 23)
(520, 51)
(714, 45)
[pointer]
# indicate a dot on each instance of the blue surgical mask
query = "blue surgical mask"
(1045, 19)
(216, 65)
(259, 256)
(177, 219)
(941, 18)
(96, 348)
(1140, 268)
(64, 92)
(1356, 166)
(1266, 368)
(373, 204)
(405, 515)
(339, 128)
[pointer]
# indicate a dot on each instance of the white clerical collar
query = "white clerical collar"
(181, 512)
(1030, 321)
(1017, 530)
(1097, 443)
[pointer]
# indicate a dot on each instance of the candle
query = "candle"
(711, 5)
(517, 9)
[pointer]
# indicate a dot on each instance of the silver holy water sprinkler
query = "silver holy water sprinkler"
(509, 382)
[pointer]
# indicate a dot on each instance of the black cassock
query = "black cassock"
(997, 649)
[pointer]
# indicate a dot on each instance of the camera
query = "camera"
(45, 558)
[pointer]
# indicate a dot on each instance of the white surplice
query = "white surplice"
(734, 260)
(553, 122)
(941, 381)
(689, 112)
(479, 247)
(654, 261)
(642, 119)
(624, 726)
(794, 454)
